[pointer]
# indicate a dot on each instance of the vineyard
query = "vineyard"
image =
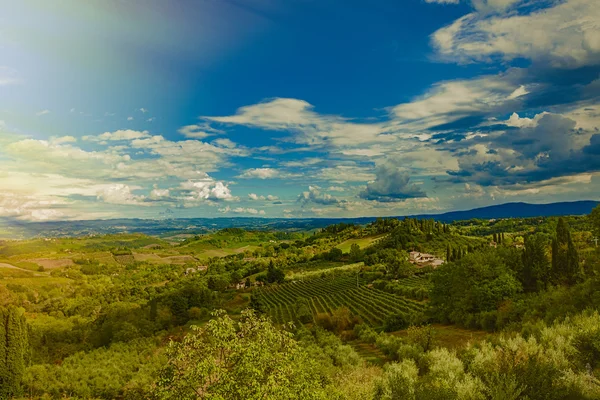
(415, 287)
(416, 281)
(372, 306)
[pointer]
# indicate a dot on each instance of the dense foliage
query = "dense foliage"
(342, 312)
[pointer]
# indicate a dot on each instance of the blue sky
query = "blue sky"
(295, 108)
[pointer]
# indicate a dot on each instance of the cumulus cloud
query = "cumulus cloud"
(241, 210)
(564, 33)
(121, 194)
(206, 189)
(314, 195)
(254, 196)
(159, 194)
(31, 207)
(546, 147)
(261, 173)
(391, 185)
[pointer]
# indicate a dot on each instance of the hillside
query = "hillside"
(11, 228)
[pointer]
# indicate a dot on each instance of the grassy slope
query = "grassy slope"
(362, 242)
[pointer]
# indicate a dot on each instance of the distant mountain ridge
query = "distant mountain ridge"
(520, 210)
(20, 229)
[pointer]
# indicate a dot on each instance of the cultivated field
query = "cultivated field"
(372, 306)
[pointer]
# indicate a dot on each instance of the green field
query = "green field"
(362, 243)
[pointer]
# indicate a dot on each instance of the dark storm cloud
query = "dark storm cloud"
(391, 185)
(530, 154)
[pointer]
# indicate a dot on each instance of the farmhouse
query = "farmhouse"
(424, 259)
(420, 258)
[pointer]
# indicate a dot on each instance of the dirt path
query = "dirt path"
(5, 265)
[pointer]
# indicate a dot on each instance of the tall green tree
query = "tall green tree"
(355, 252)
(595, 219)
(274, 274)
(536, 267)
(565, 260)
(13, 350)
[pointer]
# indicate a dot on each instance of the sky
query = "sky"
(295, 108)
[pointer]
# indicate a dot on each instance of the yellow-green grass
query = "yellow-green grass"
(52, 263)
(222, 252)
(369, 352)
(452, 337)
(7, 272)
(311, 274)
(35, 282)
(362, 242)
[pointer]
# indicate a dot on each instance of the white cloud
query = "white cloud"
(314, 195)
(450, 101)
(255, 197)
(199, 131)
(224, 142)
(518, 122)
(520, 91)
(241, 210)
(261, 173)
(126, 134)
(29, 207)
(564, 34)
(152, 119)
(392, 184)
(206, 189)
(43, 112)
(159, 194)
(336, 189)
(120, 194)
(309, 127)
(488, 6)
(63, 139)
(129, 118)
(143, 110)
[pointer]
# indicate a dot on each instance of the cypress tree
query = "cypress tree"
(13, 350)
(565, 260)
(495, 238)
(448, 253)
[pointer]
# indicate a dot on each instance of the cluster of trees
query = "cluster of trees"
(498, 237)
(453, 253)
(250, 359)
(475, 289)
